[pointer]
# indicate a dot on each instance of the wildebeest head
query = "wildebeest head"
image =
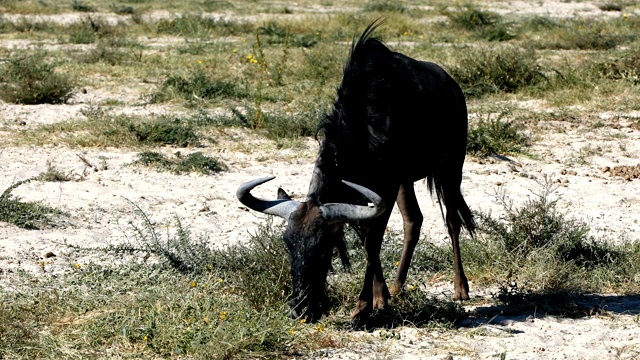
(311, 234)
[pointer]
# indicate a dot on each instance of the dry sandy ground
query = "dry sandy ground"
(100, 204)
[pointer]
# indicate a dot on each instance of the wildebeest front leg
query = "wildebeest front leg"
(374, 294)
(460, 284)
(412, 221)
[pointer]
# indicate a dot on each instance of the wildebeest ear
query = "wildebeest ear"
(282, 195)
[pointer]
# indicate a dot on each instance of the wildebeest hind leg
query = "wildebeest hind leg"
(412, 221)
(460, 284)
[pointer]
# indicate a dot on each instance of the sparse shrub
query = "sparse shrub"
(470, 17)
(199, 25)
(5, 25)
(168, 131)
(385, 6)
(495, 136)
(109, 50)
(193, 48)
(609, 6)
(32, 80)
(540, 23)
(152, 158)
(271, 72)
(83, 36)
(277, 34)
(53, 174)
(504, 69)
(259, 270)
(283, 125)
(194, 162)
(180, 250)
(90, 29)
(624, 68)
(538, 227)
(584, 35)
(101, 129)
(123, 9)
(197, 87)
(322, 65)
(276, 125)
(198, 162)
(25, 24)
(484, 24)
(27, 215)
(78, 5)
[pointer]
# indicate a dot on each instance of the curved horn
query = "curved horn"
(336, 212)
(281, 208)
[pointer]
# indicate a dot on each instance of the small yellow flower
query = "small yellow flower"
(200, 62)
(220, 280)
(405, 33)
(145, 338)
(302, 321)
(397, 263)
(250, 56)
(253, 61)
(411, 287)
(320, 328)
(193, 284)
(291, 331)
(223, 315)
(78, 266)
(234, 51)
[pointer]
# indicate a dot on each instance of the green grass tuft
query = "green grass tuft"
(507, 69)
(197, 25)
(167, 131)
(385, 6)
(194, 162)
(495, 136)
(198, 87)
(483, 24)
(32, 80)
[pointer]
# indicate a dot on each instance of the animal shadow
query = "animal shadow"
(526, 306)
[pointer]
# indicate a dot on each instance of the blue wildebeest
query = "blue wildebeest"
(395, 121)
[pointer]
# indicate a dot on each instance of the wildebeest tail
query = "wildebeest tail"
(452, 196)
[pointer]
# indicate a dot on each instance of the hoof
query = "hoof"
(460, 288)
(395, 290)
(461, 293)
(361, 310)
(379, 303)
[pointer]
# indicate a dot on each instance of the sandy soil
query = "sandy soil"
(100, 204)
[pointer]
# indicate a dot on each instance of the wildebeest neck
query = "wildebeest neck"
(332, 166)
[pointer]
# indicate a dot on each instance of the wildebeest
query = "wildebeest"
(395, 121)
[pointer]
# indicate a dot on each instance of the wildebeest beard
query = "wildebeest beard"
(310, 241)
